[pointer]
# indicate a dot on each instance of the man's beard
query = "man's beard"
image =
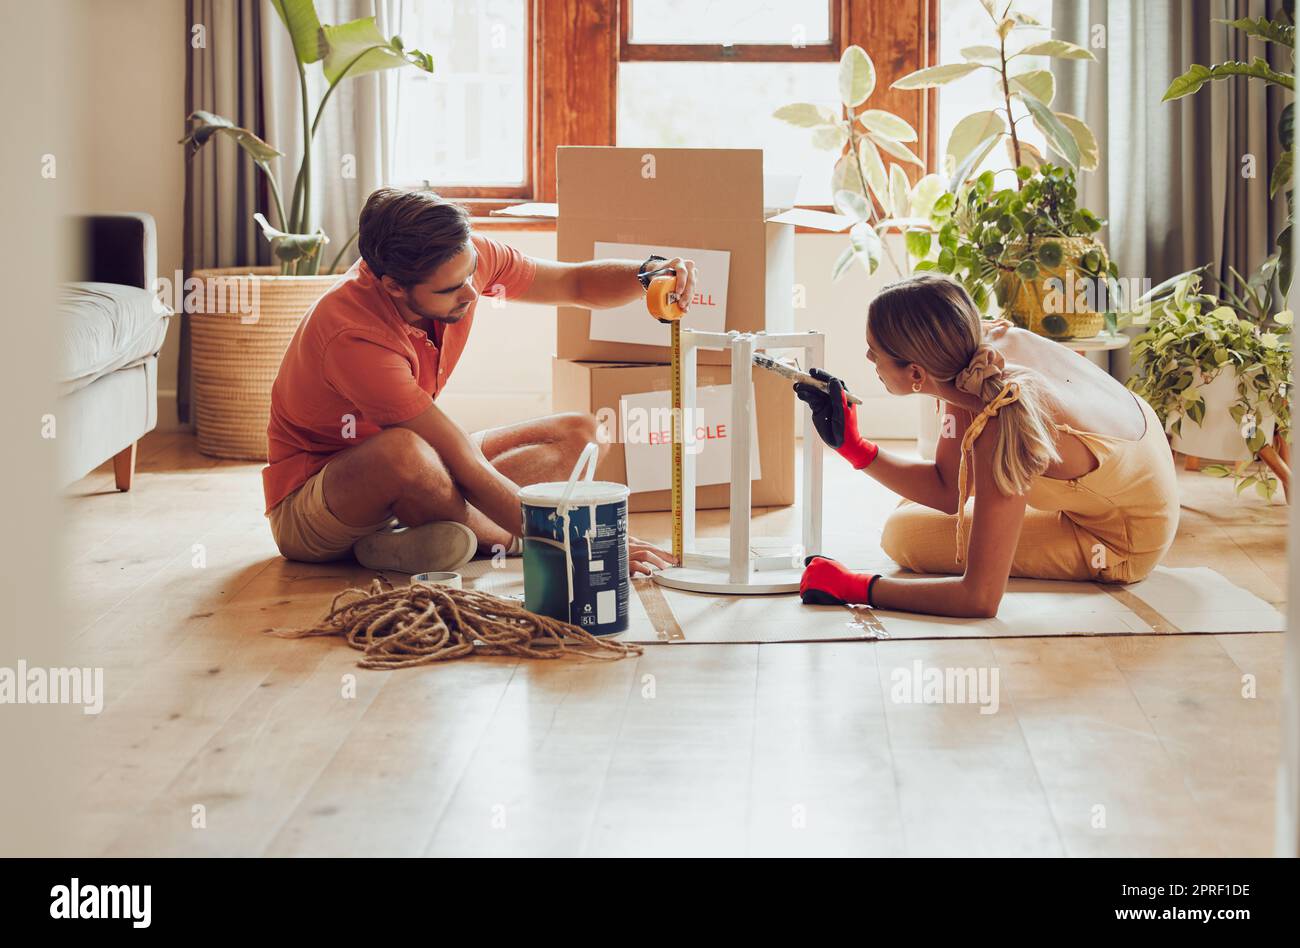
(454, 316)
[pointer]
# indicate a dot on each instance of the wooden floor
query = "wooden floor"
(217, 739)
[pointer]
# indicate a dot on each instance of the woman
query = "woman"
(1071, 473)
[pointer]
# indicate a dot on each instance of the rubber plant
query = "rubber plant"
(1279, 31)
(347, 50)
(878, 199)
(1026, 94)
(1190, 338)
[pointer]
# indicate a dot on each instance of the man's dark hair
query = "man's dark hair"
(407, 234)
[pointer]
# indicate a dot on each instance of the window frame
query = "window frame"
(738, 53)
(574, 53)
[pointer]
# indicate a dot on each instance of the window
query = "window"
(516, 79)
(740, 52)
(465, 129)
(965, 23)
(692, 28)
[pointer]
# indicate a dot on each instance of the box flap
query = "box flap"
(818, 220)
(674, 184)
(780, 191)
(531, 209)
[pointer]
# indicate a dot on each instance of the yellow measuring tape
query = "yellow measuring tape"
(662, 301)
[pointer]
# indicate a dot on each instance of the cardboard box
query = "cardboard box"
(707, 198)
(598, 388)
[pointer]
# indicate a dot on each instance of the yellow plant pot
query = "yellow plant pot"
(1050, 304)
(242, 321)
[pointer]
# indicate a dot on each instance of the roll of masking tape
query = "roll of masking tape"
(450, 580)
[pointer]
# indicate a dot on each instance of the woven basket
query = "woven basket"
(240, 327)
(1024, 305)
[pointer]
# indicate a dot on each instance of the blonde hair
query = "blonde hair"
(931, 321)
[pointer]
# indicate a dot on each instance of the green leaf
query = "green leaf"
(895, 150)
(1268, 30)
(845, 176)
(1050, 254)
(973, 161)
(1027, 270)
(874, 169)
(1058, 136)
(1089, 153)
(1281, 172)
(852, 204)
(888, 125)
(288, 248)
(357, 48)
(933, 76)
(899, 187)
(805, 115)
(857, 77)
(918, 243)
(924, 195)
(943, 204)
(1037, 82)
(1198, 75)
(299, 18)
(203, 125)
(866, 246)
(1057, 49)
(829, 138)
(842, 263)
(971, 133)
(982, 54)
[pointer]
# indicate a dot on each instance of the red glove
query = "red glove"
(836, 419)
(828, 582)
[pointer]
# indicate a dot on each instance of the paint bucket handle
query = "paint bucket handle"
(588, 457)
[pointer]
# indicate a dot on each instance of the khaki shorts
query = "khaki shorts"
(306, 529)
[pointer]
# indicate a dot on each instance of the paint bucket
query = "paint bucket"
(575, 549)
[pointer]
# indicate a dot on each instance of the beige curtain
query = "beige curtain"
(1171, 178)
(245, 70)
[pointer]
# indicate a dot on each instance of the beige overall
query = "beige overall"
(1113, 524)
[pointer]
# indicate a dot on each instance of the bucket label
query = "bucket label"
(597, 537)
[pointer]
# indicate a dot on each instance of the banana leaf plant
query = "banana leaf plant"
(349, 49)
(877, 199)
(1280, 31)
(1026, 94)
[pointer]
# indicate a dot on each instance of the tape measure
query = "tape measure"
(664, 305)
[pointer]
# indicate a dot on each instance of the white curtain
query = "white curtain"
(1170, 181)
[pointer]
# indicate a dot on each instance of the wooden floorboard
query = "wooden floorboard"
(218, 739)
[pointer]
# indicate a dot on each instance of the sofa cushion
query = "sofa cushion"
(104, 327)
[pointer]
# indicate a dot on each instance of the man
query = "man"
(361, 457)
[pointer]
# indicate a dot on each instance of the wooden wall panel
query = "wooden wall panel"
(577, 75)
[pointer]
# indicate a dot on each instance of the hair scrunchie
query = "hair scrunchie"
(987, 363)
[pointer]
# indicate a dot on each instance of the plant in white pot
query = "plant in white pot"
(1218, 379)
(246, 316)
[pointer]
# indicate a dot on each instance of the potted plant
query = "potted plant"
(988, 238)
(1217, 378)
(1033, 247)
(244, 317)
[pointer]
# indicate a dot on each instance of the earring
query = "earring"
(916, 386)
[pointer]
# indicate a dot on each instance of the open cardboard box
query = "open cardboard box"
(709, 198)
(599, 387)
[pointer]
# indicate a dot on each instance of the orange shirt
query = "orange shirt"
(355, 366)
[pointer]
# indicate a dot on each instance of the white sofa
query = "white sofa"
(111, 327)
